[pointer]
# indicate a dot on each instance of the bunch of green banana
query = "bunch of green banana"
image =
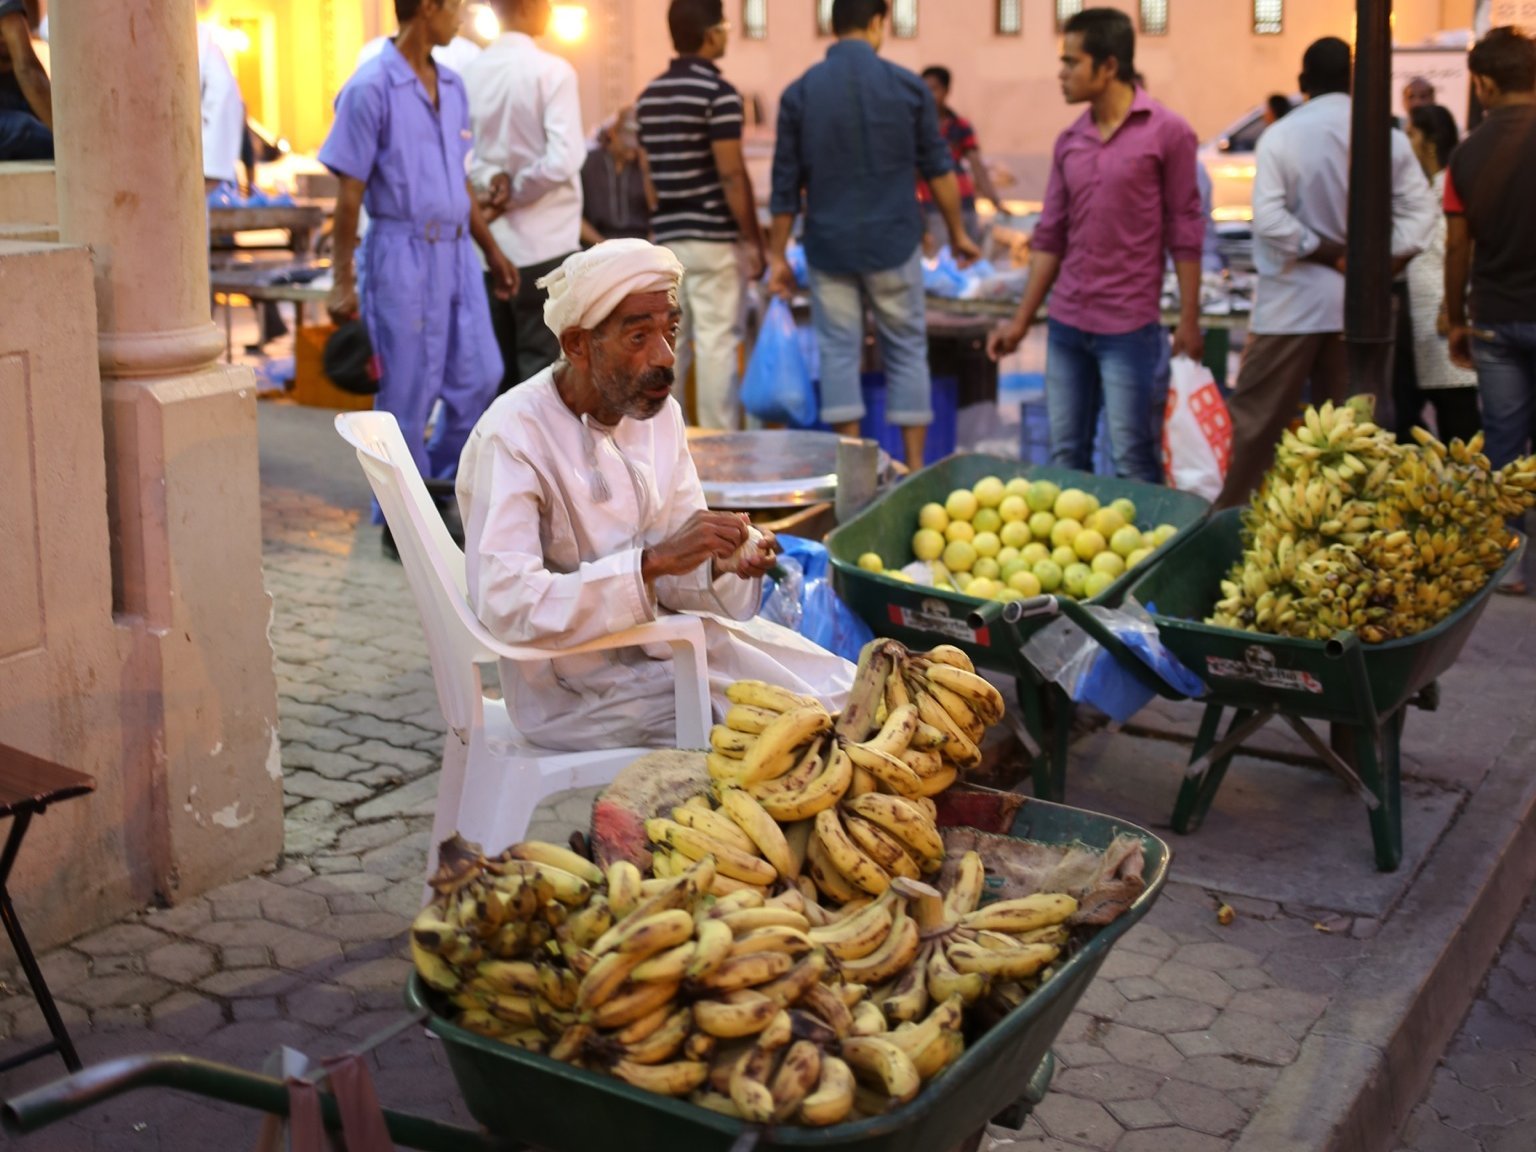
(1352, 530)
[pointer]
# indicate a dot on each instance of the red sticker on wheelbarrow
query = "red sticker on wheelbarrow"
(935, 617)
(1258, 666)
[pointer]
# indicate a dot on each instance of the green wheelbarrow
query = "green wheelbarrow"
(1361, 690)
(922, 617)
(523, 1099)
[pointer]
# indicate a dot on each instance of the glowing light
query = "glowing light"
(569, 22)
(487, 27)
(231, 41)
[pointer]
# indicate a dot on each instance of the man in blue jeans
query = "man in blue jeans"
(851, 132)
(26, 100)
(1122, 194)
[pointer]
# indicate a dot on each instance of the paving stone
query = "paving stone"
(332, 884)
(322, 1005)
(332, 865)
(1197, 984)
(1167, 1013)
(329, 739)
(1075, 1055)
(384, 974)
(1279, 1004)
(1247, 979)
(404, 859)
(316, 714)
(1255, 1038)
(391, 732)
(1215, 957)
(248, 956)
(293, 874)
(1225, 1073)
(185, 1016)
(1170, 1140)
(305, 839)
(1142, 1049)
(1080, 1121)
(312, 785)
(1139, 988)
(408, 761)
(256, 1008)
(1133, 1114)
(116, 991)
(294, 908)
(181, 919)
(1198, 1044)
(1119, 965)
(121, 939)
(365, 837)
(1203, 1109)
(368, 926)
(1101, 1001)
(418, 798)
(180, 963)
(1109, 1081)
(1516, 1101)
(244, 983)
(1486, 1069)
(333, 765)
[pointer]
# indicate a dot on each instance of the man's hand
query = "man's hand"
(706, 536)
(497, 197)
(1329, 253)
(781, 278)
(1459, 338)
(504, 272)
(758, 561)
(341, 303)
(1007, 336)
(964, 250)
(1188, 340)
(754, 260)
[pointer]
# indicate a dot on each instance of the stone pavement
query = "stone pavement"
(1483, 1098)
(1176, 1047)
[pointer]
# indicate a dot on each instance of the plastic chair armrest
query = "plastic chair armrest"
(682, 633)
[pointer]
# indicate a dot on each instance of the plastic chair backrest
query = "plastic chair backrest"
(434, 565)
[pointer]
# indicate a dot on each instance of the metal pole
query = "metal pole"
(1368, 281)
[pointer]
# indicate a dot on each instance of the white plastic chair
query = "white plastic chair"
(491, 779)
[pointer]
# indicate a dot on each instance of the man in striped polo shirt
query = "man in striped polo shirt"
(690, 127)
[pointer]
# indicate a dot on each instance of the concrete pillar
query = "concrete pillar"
(183, 498)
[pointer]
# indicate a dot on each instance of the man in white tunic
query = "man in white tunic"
(583, 516)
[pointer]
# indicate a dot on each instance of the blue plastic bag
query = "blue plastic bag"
(778, 388)
(805, 601)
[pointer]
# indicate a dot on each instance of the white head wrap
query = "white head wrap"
(585, 290)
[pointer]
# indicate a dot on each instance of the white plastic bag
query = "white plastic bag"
(1197, 430)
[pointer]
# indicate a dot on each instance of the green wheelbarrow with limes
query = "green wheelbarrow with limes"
(922, 617)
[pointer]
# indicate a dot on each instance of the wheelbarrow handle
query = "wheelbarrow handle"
(100, 1082)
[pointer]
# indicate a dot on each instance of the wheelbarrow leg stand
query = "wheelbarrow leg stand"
(1376, 756)
(1051, 730)
(1197, 791)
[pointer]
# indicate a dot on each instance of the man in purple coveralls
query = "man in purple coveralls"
(1122, 194)
(399, 145)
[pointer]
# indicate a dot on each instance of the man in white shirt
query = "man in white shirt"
(223, 108)
(1300, 210)
(529, 151)
(583, 515)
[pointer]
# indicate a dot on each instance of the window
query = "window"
(754, 19)
(1268, 17)
(1010, 17)
(1154, 17)
(823, 17)
(904, 19)
(1065, 10)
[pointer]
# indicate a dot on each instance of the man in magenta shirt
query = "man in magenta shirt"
(1122, 195)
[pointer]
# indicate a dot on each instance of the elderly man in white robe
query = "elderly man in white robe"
(583, 515)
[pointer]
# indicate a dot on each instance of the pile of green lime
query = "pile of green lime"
(1009, 541)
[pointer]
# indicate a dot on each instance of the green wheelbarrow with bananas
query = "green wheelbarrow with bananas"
(1362, 691)
(523, 1099)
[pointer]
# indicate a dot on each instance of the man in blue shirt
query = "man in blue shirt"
(852, 161)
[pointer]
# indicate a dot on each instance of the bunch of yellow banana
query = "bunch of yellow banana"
(856, 849)
(749, 847)
(1352, 530)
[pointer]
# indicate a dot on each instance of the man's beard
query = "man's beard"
(628, 394)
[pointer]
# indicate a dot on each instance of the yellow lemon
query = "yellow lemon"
(1040, 525)
(1106, 522)
(1074, 579)
(1063, 555)
(959, 530)
(1126, 509)
(1015, 533)
(987, 520)
(927, 544)
(962, 504)
(990, 491)
(1041, 496)
(1007, 556)
(1064, 532)
(1164, 533)
(987, 567)
(987, 544)
(1018, 486)
(1013, 508)
(1111, 564)
(959, 556)
(1048, 573)
(1025, 582)
(1073, 504)
(1137, 557)
(1088, 543)
(1126, 540)
(1035, 552)
(1097, 582)
(981, 588)
(933, 516)
(871, 562)
(1007, 569)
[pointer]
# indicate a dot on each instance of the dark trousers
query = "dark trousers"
(527, 345)
(24, 137)
(1275, 372)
